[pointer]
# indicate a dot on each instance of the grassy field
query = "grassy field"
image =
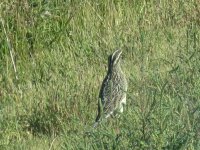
(60, 48)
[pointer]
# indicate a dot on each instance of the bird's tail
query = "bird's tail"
(100, 111)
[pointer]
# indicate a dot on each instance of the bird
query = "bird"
(112, 95)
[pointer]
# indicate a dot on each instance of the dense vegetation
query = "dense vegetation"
(60, 48)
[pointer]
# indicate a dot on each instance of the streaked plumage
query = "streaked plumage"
(112, 95)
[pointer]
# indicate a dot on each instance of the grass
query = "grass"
(60, 51)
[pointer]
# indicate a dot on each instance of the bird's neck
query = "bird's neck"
(116, 68)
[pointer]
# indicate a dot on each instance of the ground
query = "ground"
(53, 59)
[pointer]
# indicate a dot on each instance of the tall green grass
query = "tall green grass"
(60, 51)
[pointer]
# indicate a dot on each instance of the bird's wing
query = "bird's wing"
(110, 95)
(104, 88)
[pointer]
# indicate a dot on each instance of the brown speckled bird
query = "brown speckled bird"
(112, 95)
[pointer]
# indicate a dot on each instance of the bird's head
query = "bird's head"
(114, 59)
